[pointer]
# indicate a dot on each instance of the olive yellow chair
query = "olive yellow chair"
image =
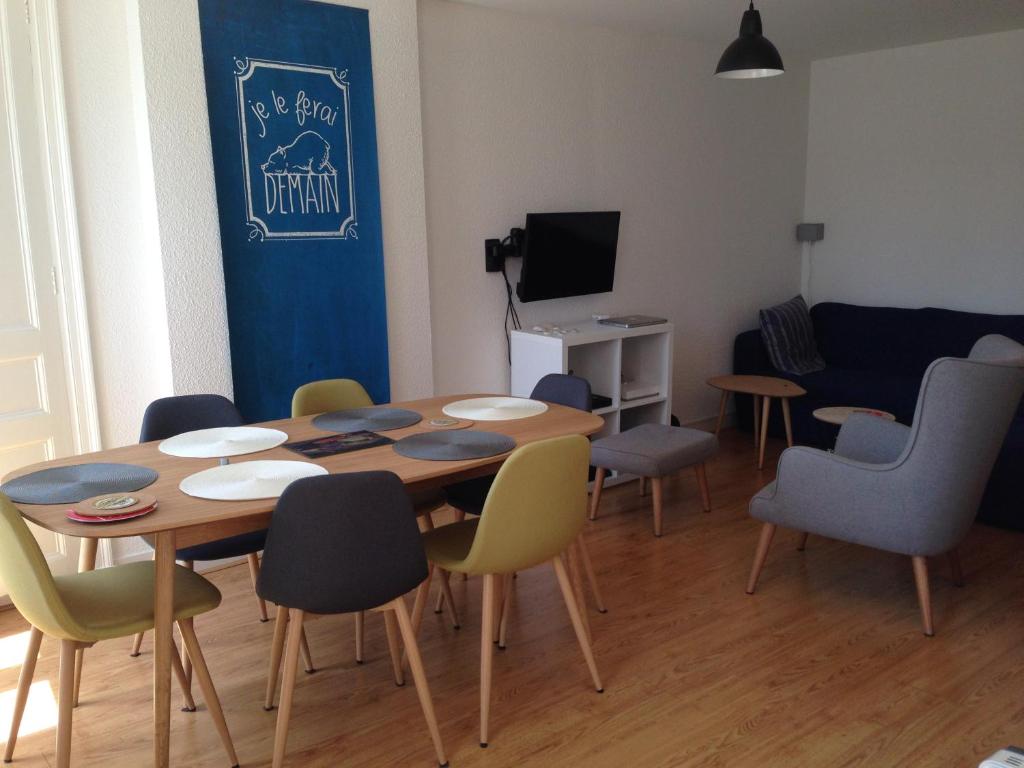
(533, 512)
(329, 395)
(84, 608)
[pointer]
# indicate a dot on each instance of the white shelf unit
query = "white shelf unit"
(603, 355)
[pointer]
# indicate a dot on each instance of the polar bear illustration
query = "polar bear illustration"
(309, 153)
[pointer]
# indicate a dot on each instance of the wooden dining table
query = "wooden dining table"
(183, 521)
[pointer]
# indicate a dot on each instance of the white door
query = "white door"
(35, 421)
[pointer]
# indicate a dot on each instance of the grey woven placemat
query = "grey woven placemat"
(69, 485)
(454, 446)
(369, 419)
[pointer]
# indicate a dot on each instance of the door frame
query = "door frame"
(68, 278)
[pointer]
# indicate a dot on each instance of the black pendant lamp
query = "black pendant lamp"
(751, 54)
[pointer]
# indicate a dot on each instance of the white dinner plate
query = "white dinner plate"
(495, 408)
(222, 441)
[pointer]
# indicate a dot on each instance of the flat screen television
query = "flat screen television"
(568, 254)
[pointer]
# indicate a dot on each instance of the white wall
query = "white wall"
(120, 251)
(525, 113)
(915, 163)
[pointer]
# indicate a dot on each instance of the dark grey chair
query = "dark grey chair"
(170, 416)
(343, 544)
(909, 490)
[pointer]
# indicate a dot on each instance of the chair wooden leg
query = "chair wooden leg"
(955, 567)
(572, 561)
(577, 621)
(422, 594)
(276, 650)
(394, 647)
(360, 628)
(924, 595)
(499, 595)
(186, 689)
(802, 543)
(28, 671)
(506, 603)
(65, 702)
(787, 420)
(307, 657)
(137, 645)
(185, 658)
(702, 481)
(656, 487)
(254, 574)
(188, 635)
(765, 411)
(598, 487)
(444, 597)
(291, 666)
(588, 569)
(486, 653)
(86, 562)
(79, 661)
(767, 532)
(419, 677)
(721, 411)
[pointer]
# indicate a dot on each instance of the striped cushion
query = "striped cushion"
(789, 337)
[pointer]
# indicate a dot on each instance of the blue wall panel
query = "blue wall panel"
(290, 97)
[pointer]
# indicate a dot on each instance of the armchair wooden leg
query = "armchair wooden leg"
(577, 621)
(598, 487)
(276, 651)
(420, 678)
(65, 702)
(656, 487)
(802, 543)
(702, 481)
(924, 595)
(28, 671)
(767, 531)
(394, 647)
(360, 626)
(291, 667)
(588, 569)
(643, 487)
(486, 653)
(254, 574)
(956, 567)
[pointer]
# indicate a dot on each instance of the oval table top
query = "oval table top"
(763, 386)
(179, 511)
(838, 414)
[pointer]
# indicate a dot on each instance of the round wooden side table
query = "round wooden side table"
(763, 389)
(838, 414)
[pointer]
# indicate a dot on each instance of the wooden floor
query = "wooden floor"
(824, 666)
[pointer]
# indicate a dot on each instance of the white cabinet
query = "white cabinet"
(605, 356)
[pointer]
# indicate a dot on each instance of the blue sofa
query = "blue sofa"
(875, 357)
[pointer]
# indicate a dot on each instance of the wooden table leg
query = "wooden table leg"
(789, 423)
(764, 430)
(86, 562)
(721, 411)
(163, 647)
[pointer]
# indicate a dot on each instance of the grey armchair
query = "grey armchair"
(908, 490)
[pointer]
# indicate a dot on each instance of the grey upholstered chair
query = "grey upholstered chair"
(909, 490)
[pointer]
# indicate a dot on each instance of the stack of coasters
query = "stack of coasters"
(112, 508)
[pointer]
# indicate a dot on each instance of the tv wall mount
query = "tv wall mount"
(496, 251)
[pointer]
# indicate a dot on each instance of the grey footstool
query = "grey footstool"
(653, 451)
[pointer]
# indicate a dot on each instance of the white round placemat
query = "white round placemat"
(246, 480)
(495, 408)
(222, 441)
